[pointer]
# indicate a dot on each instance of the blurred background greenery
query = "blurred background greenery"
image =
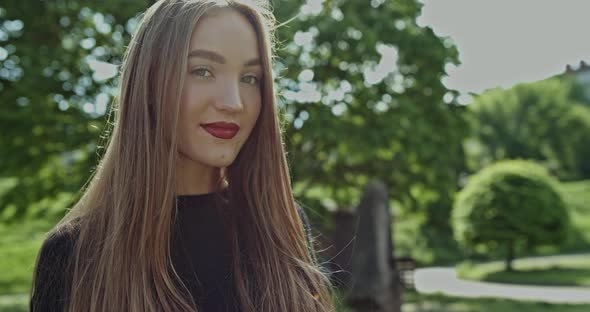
(361, 92)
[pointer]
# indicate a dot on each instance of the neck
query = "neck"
(194, 178)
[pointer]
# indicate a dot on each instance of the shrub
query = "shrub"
(510, 204)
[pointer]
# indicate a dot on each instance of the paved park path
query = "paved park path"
(444, 280)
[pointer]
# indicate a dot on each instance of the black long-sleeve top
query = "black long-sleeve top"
(200, 227)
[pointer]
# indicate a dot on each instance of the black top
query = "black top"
(199, 229)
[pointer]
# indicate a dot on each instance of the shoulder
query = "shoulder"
(61, 235)
(58, 245)
(51, 273)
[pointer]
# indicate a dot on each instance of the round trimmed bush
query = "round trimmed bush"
(509, 204)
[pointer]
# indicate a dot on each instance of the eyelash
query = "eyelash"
(200, 69)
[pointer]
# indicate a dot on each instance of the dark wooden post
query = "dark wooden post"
(375, 284)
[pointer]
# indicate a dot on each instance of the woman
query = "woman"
(191, 207)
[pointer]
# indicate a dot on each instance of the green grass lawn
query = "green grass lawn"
(414, 302)
(14, 303)
(557, 271)
(19, 244)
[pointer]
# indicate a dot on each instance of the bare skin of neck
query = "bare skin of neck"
(194, 178)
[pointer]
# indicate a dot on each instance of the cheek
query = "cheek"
(193, 101)
(188, 109)
(183, 112)
(255, 108)
(187, 97)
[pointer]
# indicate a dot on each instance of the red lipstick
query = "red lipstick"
(222, 130)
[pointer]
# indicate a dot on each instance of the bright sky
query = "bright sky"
(504, 42)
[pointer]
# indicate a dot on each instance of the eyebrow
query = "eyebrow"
(218, 58)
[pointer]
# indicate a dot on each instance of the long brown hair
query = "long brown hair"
(124, 217)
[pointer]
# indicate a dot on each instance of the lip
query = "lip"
(221, 129)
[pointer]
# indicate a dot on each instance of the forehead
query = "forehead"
(227, 32)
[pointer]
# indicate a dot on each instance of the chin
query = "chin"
(221, 162)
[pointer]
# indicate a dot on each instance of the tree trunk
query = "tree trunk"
(509, 256)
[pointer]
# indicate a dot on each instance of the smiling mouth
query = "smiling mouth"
(222, 130)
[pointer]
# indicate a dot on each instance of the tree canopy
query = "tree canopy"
(57, 74)
(510, 205)
(540, 120)
(361, 88)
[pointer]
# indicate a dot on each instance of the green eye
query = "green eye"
(250, 79)
(201, 72)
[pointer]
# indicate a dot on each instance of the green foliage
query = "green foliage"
(540, 121)
(577, 198)
(510, 204)
(407, 239)
(54, 93)
(347, 125)
(571, 148)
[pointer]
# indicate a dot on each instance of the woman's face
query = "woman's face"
(221, 96)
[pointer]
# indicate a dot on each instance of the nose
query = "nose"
(228, 98)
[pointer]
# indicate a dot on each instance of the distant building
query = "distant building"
(582, 76)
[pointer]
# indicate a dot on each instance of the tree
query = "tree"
(507, 205)
(57, 82)
(539, 121)
(572, 148)
(361, 88)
